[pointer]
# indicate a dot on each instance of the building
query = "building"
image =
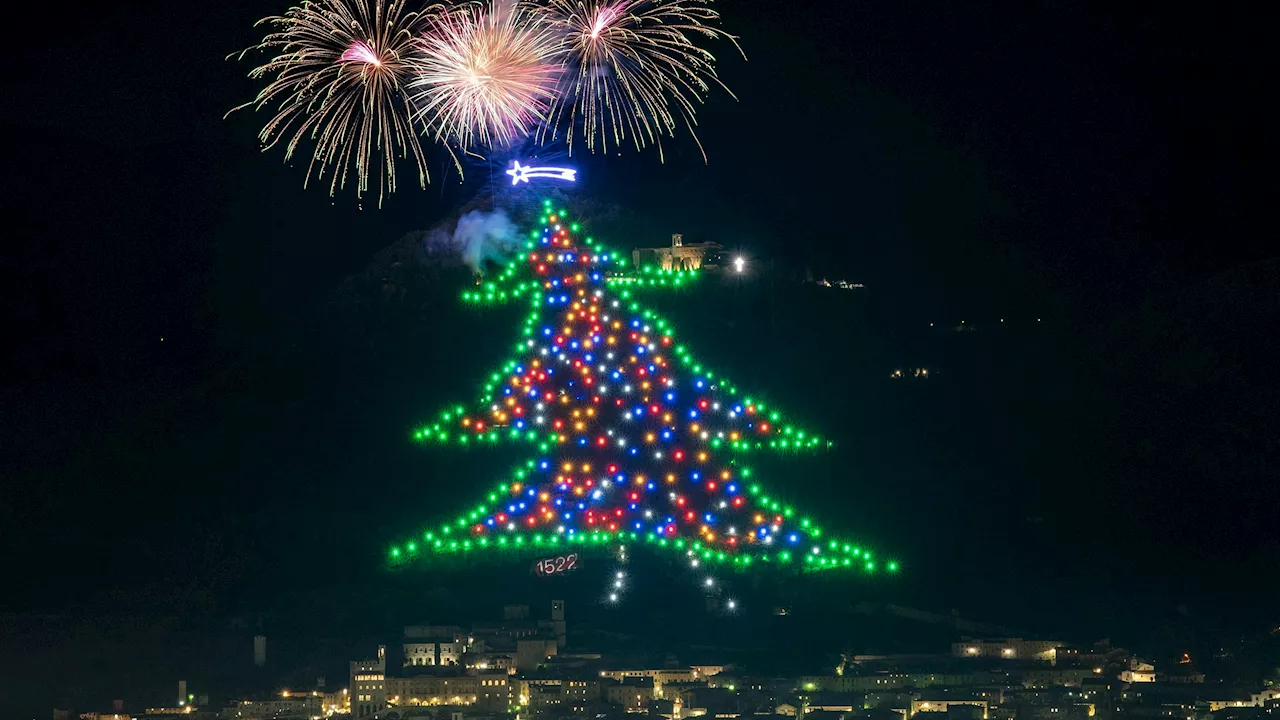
(1007, 649)
(434, 652)
(632, 694)
(665, 676)
(288, 705)
(368, 684)
(1138, 672)
(487, 691)
(531, 652)
(680, 256)
(882, 681)
(974, 708)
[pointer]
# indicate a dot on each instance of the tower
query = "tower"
(557, 622)
(677, 240)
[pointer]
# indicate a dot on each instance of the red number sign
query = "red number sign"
(558, 565)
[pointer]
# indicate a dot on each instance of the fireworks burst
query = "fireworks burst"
(337, 77)
(485, 76)
(633, 71)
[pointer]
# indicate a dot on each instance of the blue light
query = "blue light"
(793, 538)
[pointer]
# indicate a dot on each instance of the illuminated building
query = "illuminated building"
(680, 256)
(945, 706)
(368, 686)
(1008, 649)
(489, 691)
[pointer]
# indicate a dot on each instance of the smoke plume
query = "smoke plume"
(478, 238)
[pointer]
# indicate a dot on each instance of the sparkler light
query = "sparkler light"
(485, 76)
(336, 79)
(634, 73)
(521, 173)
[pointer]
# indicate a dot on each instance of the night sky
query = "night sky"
(206, 392)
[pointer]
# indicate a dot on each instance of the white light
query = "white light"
(619, 576)
(709, 582)
(613, 597)
(732, 604)
(739, 263)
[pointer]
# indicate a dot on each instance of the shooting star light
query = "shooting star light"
(521, 173)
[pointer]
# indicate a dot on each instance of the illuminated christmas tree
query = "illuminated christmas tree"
(635, 442)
